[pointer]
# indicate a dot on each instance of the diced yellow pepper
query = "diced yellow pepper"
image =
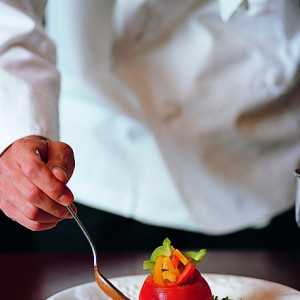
(168, 265)
(181, 257)
(157, 271)
(168, 275)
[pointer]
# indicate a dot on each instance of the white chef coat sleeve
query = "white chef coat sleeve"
(29, 80)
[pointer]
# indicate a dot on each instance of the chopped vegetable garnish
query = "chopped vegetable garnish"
(171, 267)
(174, 275)
(164, 250)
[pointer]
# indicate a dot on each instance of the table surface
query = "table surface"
(38, 276)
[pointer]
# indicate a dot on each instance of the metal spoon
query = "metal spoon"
(297, 206)
(108, 288)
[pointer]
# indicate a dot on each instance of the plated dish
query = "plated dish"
(235, 287)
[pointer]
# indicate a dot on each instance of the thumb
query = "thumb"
(61, 160)
(60, 174)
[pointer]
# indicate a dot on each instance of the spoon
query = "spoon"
(108, 288)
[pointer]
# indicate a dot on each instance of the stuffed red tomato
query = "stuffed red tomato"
(174, 275)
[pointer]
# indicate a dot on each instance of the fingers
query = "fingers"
(31, 201)
(12, 212)
(31, 213)
(41, 177)
(23, 211)
(38, 169)
(33, 191)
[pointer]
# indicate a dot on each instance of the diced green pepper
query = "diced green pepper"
(148, 265)
(196, 256)
(164, 250)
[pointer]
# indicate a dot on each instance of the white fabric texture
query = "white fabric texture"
(181, 113)
(29, 81)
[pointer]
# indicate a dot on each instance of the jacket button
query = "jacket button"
(171, 111)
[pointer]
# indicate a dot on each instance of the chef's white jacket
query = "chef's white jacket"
(182, 114)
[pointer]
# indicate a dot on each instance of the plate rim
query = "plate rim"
(206, 275)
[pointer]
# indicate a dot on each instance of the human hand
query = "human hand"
(33, 189)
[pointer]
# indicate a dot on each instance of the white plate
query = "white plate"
(235, 287)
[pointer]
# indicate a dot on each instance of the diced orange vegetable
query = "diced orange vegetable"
(181, 257)
(168, 266)
(157, 274)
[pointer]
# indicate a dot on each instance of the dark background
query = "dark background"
(114, 233)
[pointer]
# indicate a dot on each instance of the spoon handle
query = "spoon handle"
(85, 233)
(109, 289)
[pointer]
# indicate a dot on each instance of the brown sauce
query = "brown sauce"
(107, 288)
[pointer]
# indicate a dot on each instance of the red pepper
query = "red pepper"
(187, 272)
(175, 261)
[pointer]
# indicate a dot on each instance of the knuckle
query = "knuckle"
(31, 169)
(31, 212)
(55, 190)
(17, 144)
(33, 194)
(67, 148)
(68, 153)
